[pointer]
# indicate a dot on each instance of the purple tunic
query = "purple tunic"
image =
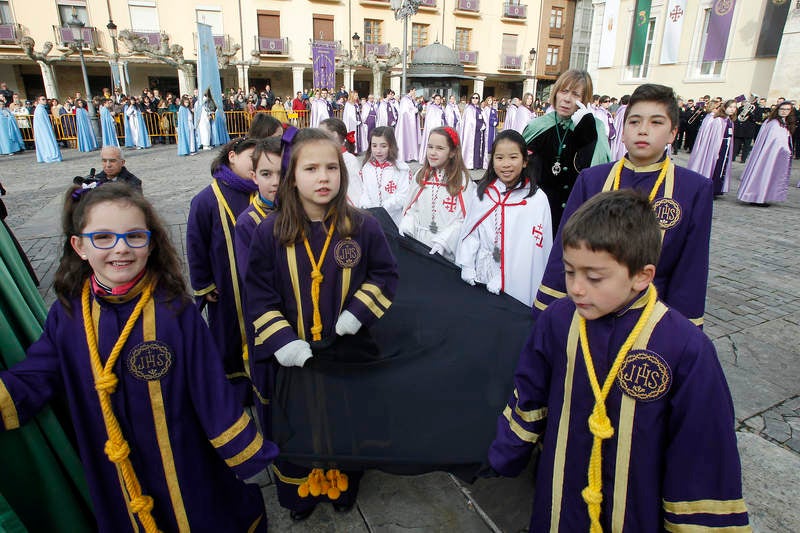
(491, 121)
(212, 265)
(711, 155)
(766, 174)
(682, 270)
(177, 411)
(672, 460)
(246, 224)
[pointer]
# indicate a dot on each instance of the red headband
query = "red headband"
(453, 135)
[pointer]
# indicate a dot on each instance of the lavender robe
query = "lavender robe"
(279, 318)
(711, 155)
(187, 421)
(452, 116)
(212, 265)
(319, 112)
(682, 270)
(618, 149)
(434, 118)
(369, 115)
(387, 113)
(491, 121)
(522, 116)
(766, 174)
(473, 140)
(672, 460)
(351, 116)
(407, 130)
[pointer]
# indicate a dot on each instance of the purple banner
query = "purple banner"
(719, 28)
(324, 61)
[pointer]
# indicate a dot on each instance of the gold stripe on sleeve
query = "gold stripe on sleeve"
(697, 321)
(551, 292)
(247, 453)
(539, 305)
(267, 333)
(287, 479)
(203, 292)
(255, 217)
(377, 293)
(370, 303)
(560, 459)
(523, 434)
(529, 416)
(706, 507)
(232, 432)
(693, 528)
(291, 259)
(266, 318)
(8, 411)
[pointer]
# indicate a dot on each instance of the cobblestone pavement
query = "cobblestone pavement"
(752, 315)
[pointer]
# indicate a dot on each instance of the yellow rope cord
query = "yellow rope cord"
(316, 280)
(105, 384)
(331, 483)
(599, 423)
(659, 180)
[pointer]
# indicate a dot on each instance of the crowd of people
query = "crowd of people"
(291, 265)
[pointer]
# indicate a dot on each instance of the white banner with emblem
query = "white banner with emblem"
(608, 36)
(673, 25)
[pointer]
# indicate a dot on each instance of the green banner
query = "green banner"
(641, 21)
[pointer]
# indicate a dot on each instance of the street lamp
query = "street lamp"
(76, 25)
(116, 76)
(531, 73)
(403, 9)
(356, 45)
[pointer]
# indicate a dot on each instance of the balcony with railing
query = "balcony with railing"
(510, 62)
(379, 49)
(427, 5)
(273, 46)
(517, 12)
(63, 36)
(468, 7)
(10, 33)
(153, 38)
(468, 58)
(375, 3)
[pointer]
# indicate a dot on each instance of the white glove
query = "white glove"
(407, 226)
(468, 275)
(580, 113)
(296, 353)
(494, 285)
(347, 324)
(437, 249)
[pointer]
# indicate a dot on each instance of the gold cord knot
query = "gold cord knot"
(141, 504)
(592, 496)
(106, 383)
(600, 425)
(317, 276)
(117, 451)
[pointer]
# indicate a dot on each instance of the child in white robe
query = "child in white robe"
(385, 181)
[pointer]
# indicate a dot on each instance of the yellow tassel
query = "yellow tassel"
(302, 490)
(314, 488)
(342, 482)
(334, 493)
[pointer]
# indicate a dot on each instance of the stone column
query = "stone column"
(49, 78)
(243, 78)
(529, 85)
(297, 79)
(478, 87)
(394, 84)
(377, 82)
(347, 78)
(785, 76)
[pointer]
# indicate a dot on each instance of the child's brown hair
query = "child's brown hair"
(454, 170)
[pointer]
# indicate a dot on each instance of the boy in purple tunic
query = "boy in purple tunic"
(682, 201)
(319, 273)
(627, 397)
(210, 254)
(163, 440)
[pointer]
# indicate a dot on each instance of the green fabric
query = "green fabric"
(641, 21)
(40, 473)
(602, 151)
(9, 521)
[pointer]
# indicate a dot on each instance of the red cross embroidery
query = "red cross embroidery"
(676, 13)
(391, 187)
(538, 236)
(450, 204)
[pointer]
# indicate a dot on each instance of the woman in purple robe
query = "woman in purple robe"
(407, 128)
(489, 112)
(766, 175)
(473, 140)
(712, 155)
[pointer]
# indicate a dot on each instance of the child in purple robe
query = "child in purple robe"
(766, 175)
(438, 204)
(682, 200)
(320, 273)
(210, 254)
(164, 441)
(626, 396)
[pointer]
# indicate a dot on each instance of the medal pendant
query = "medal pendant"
(556, 168)
(433, 227)
(496, 254)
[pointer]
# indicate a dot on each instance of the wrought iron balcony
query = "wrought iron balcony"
(153, 38)
(509, 62)
(64, 36)
(515, 11)
(427, 3)
(273, 45)
(10, 33)
(472, 6)
(468, 57)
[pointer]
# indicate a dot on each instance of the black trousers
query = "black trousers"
(745, 144)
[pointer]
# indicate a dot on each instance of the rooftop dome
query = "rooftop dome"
(435, 60)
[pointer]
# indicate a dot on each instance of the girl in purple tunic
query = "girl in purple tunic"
(210, 254)
(320, 272)
(163, 440)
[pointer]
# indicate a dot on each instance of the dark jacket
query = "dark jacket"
(124, 176)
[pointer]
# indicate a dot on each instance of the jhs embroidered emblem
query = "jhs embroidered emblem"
(538, 236)
(150, 360)
(391, 187)
(450, 204)
(347, 253)
(644, 376)
(668, 212)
